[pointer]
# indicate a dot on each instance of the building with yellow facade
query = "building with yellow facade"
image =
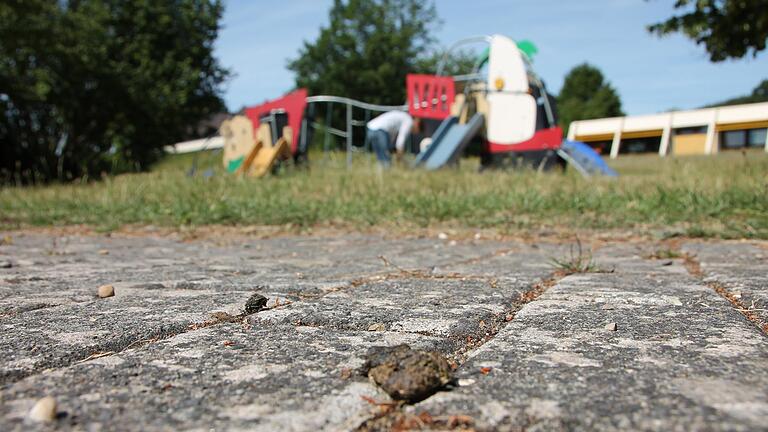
(695, 132)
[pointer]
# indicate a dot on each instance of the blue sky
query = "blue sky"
(650, 74)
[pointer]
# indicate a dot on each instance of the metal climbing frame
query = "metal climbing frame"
(348, 132)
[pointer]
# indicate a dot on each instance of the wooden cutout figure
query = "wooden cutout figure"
(238, 141)
(254, 154)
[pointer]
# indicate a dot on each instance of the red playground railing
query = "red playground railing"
(430, 96)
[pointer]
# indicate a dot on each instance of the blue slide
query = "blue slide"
(449, 141)
(584, 159)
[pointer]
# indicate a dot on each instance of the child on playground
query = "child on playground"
(388, 132)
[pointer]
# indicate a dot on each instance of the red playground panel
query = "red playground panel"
(544, 139)
(293, 104)
(430, 96)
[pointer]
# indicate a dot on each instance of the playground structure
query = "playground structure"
(502, 104)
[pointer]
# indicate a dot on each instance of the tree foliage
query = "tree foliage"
(586, 95)
(759, 94)
(367, 49)
(726, 28)
(455, 63)
(92, 86)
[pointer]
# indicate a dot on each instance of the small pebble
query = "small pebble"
(106, 291)
(44, 410)
(377, 327)
(611, 326)
(103, 252)
(5, 264)
(442, 236)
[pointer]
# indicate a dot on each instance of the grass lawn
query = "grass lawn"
(716, 196)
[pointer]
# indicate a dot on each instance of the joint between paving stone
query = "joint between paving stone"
(536, 290)
(694, 268)
(390, 416)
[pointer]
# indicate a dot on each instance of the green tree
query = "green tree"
(457, 63)
(759, 94)
(92, 86)
(726, 28)
(367, 49)
(586, 95)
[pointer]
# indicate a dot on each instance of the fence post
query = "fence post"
(349, 135)
(367, 148)
(327, 142)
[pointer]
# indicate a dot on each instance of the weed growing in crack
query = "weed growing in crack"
(578, 260)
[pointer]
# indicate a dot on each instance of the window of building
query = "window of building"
(601, 147)
(737, 139)
(640, 145)
(757, 137)
(730, 140)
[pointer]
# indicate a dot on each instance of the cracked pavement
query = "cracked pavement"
(533, 347)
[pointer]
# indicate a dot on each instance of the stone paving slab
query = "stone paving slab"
(456, 309)
(740, 268)
(222, 377)
(640, 259)
(62, 270)
(681, 358)
(58, 336)
(151, 358)
(512, 261)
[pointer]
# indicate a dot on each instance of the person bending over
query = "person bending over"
(388, 132)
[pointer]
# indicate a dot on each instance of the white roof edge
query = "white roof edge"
(744, 113)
